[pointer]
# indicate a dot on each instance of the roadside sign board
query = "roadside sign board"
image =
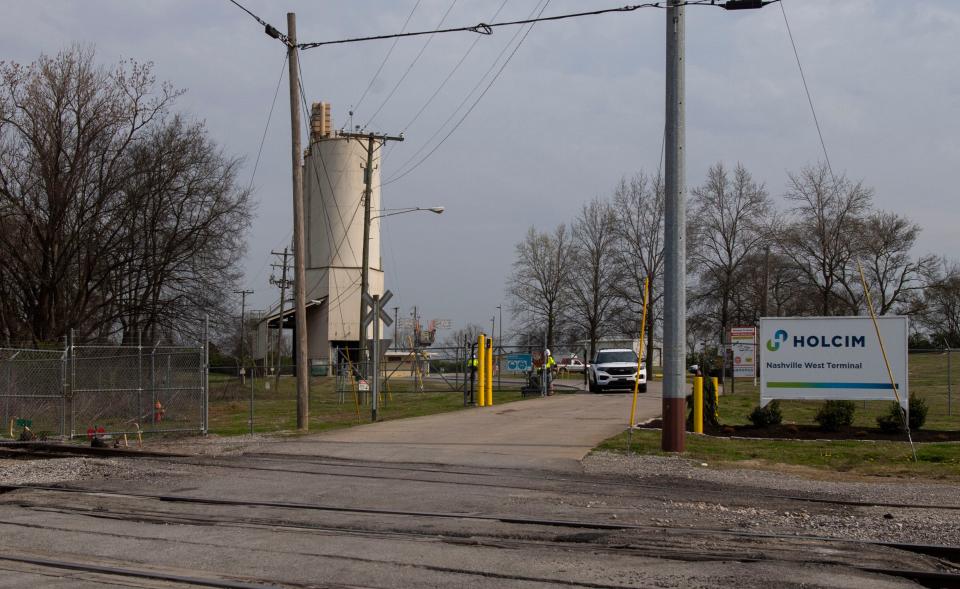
(519, 362)
(743, 343)
(832, 358)
(24, 423)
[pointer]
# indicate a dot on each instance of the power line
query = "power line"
(480, 81)
(266, 127)
(806, 89)
(267, 27)
(487, 28)
(472, 106)
(387, 56)
(409, 67)
(447, 79)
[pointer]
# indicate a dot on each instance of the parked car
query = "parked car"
(616, 369)
(572, 364)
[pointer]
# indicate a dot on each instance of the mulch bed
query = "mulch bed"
(813, 432)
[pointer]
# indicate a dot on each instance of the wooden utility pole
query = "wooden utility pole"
(283, 283)
(380, 140)
(299, 274)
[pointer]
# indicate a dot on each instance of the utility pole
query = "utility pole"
(243, 310)
(674, 312)
(381, 140)
(299, 261)
(283, 283)
(396, 325)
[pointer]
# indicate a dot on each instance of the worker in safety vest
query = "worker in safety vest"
(473, 363)
(549, 366)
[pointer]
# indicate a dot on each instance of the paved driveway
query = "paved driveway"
(551, 432)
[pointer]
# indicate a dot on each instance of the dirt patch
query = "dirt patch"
(811, 432)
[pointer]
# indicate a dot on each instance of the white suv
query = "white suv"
(616, 369)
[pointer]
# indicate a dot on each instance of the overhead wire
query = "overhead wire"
(487, 28)
(386, 57)
(472, 91)
(439, 88)
(409, 67)
(806, 89)
(263, 139)
(496, 76)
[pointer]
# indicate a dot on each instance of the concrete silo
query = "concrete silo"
(333, 179)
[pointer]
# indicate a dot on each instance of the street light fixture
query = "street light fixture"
(392, 212)
(365, 271)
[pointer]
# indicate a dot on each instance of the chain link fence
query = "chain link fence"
(107, 389)
(32, 391)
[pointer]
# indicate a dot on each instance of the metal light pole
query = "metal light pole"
(674, 313)
(367, 219)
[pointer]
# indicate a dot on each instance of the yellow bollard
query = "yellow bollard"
(698, 404)
(716, 398)
(490, 371)
(481, 370)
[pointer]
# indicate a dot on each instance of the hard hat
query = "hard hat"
(547, 352)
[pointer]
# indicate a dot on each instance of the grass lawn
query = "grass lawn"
(275, 409)
(928, 380)
(862, 457)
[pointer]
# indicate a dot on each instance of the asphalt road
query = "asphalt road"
(544, 432)
(482, 498)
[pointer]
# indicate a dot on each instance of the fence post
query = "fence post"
(139, 411)
(72, 369)
(205, 376)
(949, 384)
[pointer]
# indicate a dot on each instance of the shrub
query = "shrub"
(892, 421)
(766, 416)
(918, 412)
(834, 414)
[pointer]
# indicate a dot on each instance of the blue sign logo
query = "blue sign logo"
(519, 362)
(778, 338)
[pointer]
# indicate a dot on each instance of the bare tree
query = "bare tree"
(821, 238)
(594, 270)
(536, 287)
(938, 306)
(729, 223)
(116, 215)
(639, 202)
(885, 245)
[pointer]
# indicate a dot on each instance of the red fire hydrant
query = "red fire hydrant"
(157, 412)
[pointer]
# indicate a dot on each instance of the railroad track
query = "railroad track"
(27, 449)
(655, 547)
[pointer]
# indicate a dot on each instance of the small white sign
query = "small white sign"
(743, 345)
(832, 358)
(363, 386)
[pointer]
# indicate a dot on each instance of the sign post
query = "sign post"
(833, 358)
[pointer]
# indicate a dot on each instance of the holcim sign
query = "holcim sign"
(832, 358)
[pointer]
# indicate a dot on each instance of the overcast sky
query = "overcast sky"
(579, 106)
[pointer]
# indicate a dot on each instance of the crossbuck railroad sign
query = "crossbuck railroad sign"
(368, 303)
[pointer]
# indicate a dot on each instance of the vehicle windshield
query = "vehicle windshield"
(606, 357)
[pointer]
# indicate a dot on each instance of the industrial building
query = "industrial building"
(333, 191)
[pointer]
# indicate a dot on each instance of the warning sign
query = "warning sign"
(363, 386)
(743, 344)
